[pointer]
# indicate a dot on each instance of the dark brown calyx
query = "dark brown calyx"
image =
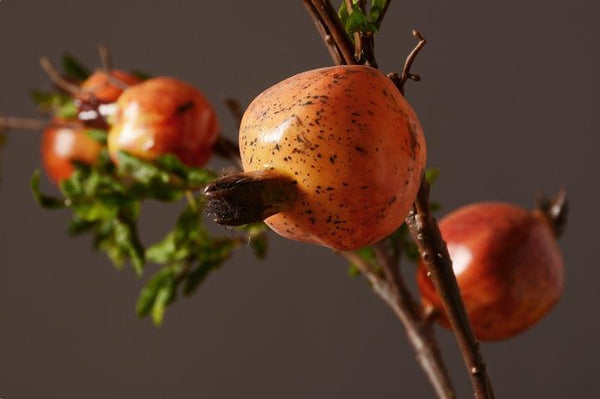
(250, 197)
(555, 210)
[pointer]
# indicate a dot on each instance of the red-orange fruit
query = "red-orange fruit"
(164, 116)
(352, 143)
(508, 266)
(106, 90)
(64, 142)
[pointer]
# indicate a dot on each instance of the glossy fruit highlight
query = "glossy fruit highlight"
(64, 142)
(164, 116)
(508, 266)
(350, 143)
(95, 103)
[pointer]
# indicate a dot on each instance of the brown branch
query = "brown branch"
(235, 109)
(383, 12)
(229, 150)
(225, 147)
(11, 122)
(426, 233)
(57, 78)
(107, 66)
(406, 74)
(330, 20)
(332, 48)
(391, 289)
(105, 58)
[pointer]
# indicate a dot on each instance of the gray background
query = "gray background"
(507, 101)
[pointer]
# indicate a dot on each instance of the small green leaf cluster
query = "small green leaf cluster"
(357, 20)
(106, 200)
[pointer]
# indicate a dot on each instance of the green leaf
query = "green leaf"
(99, 135)
(377, 8)
(142, 75)
(67, 110)
(59, 103)
(257, 237)
(431, 175)
(193, 177)
(368, 254)
(143, 171)
(356, 21)
(148, 294)
(163, 297)
(183, 241)
(209, 258)
(435, 206)
(343, 13)
(45, 201)
(197, 277)
(73, 68)
(79, 226)
(353, 271)
(126, 237)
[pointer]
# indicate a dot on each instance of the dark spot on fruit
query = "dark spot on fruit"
(184, 107)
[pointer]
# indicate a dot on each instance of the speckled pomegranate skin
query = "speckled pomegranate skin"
(508, 266)
(353, 144)
(164, 116)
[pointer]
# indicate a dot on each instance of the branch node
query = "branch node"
(410, 59)
(58, 79)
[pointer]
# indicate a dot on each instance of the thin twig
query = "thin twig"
(105, 58)
(224, 147)
(383, 12)
(331, 21)
(57, 78)
(11, 122)
(330, 44)
(228, 149)
(426, 233)
(235, 109)
(406, 74)
(420, 333)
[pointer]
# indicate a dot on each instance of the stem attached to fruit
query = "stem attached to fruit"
(250, 197)
(554, 210)
(433, 250)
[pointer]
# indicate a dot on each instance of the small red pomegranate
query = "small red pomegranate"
(507, 263)
(164, 116)
(64, 142)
